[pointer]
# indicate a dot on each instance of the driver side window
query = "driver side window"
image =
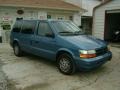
(44, 29)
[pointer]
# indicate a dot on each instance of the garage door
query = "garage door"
(112, 25)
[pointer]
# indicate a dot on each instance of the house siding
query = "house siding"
(86, 4)
(99, 17)
(8, 15)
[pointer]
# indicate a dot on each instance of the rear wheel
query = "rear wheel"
(66, 64)
(17, 50)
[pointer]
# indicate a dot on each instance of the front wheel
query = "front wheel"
(66, 64)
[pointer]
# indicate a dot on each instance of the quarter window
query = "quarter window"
(17, 26)
(28, 27)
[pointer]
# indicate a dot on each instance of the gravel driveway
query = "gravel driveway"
(33, 73)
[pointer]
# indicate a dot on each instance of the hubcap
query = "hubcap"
(64, 64)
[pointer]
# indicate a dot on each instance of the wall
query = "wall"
(99, 17)
(55, 15)
(77, 19)
(86, 4)
(0, 31)
(0, 34)
(89, 5)
(9, 15)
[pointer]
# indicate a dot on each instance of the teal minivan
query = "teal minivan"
(60, 41)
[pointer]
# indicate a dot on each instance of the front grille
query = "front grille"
(101, 51)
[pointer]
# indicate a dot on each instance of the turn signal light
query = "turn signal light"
(87, 55)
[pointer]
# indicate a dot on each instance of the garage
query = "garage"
(106, 21)
(112, 25)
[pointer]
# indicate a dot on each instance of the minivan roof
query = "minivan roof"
(43, 20)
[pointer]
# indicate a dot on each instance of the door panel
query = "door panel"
(43, 45)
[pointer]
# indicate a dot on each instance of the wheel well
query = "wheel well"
(62, 52)
(15, 42)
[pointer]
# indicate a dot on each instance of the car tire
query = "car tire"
(66, 64)
(17, 50)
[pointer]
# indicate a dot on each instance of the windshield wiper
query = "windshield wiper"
(71, 33)
(65, 32)
(78, 32)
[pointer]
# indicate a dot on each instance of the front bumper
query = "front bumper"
(88, 64)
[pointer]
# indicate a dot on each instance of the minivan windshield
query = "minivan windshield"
(67, 28)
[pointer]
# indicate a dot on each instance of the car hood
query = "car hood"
(85, 42)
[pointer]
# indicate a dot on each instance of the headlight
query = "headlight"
(87, 53)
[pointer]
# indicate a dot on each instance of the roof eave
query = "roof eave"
(101, 5)
(53, 8)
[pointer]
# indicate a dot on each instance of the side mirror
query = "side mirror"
(50, 35)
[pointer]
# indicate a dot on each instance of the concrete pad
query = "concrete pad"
(33, 73)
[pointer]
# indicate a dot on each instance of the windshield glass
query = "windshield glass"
(66, 28)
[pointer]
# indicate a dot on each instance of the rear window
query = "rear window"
(17, 26)
(28, 27)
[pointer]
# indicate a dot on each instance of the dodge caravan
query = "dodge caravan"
(60, 41)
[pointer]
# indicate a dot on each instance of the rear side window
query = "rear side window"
(17, 26)
(28, 27)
